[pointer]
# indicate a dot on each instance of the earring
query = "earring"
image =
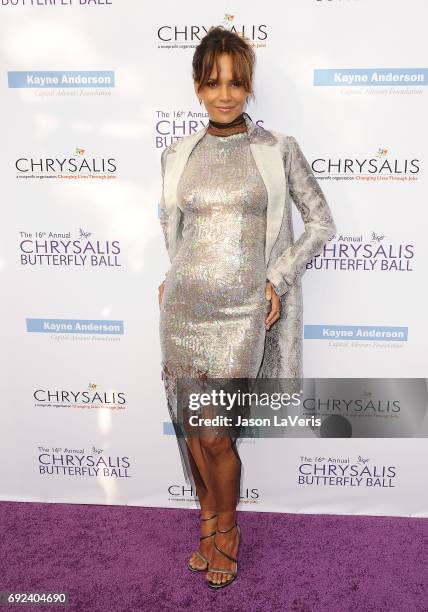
(200, 100)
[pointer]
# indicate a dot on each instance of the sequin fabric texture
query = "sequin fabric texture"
(214, 306)
(213, 311)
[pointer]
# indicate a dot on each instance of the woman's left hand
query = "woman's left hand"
(275, 311)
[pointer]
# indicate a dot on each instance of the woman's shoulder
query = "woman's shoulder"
(179, 143)
(285, 142)
(167, 150)
(282, 138)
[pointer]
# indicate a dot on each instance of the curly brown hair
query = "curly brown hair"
(220, 40)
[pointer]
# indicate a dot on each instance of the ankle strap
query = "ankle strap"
(227, 530)
(208, 519)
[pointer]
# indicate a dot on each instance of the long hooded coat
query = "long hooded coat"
(288, 178)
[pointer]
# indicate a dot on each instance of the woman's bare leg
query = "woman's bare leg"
(216, 468)
(206, 500)
(224, 467)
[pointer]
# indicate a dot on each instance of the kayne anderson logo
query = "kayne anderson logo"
(79, 165)
(56, 82)
(189, 36)
(381, 166)
(355, 253)
(90, 398)
(60, 249)
(358, 336)
(77, 329)
(364, 76)
(372, 77)
(60, 78)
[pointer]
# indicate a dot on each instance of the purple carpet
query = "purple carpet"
(120, 558)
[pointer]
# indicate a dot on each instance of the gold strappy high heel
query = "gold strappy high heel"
(203, 569)
(233, 574)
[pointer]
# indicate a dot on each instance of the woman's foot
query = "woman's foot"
(227, 541)
(200, 559)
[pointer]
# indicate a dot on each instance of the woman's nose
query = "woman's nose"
(224, 92)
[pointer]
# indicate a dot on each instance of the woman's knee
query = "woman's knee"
(215, 445)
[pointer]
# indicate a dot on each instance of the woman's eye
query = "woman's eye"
(235, 83)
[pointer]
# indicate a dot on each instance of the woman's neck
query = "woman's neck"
(235, 126)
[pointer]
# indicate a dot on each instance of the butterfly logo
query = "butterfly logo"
(362, 460)
(83, 234)
(376, 238)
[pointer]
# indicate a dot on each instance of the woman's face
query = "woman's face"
(223, 97)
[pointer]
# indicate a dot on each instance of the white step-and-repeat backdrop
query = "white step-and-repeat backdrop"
(91, 93)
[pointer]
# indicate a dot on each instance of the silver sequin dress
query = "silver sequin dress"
(213, 311)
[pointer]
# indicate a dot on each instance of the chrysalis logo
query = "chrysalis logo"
(377, 166)
(58, 461)
(353, 253)
(60, 167)
(341, 472)
(58, 249)
(175, 35)
(367, 407)
(90, 398)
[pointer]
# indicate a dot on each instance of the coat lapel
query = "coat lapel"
(268, 158)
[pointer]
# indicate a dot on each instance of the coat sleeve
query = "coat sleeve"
(317, 218)
(163, 213)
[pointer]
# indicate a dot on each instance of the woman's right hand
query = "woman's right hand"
(160, 292)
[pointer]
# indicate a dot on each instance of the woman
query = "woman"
(226, 219)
